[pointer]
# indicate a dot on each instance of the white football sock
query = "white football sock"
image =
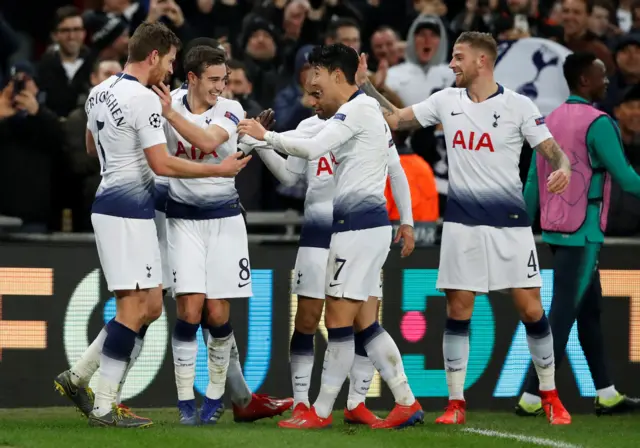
(607, 393)
(184, 366)
(219, 350)
(543, 360)
(386, 358)
(455, 348)
(137, 348)
(360, 378)
(301, 369)
(338, 360)
(88, 364)
(111, 373)
(240, 392)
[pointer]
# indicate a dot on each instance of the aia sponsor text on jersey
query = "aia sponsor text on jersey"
(324, 166)
(473, 141)
(193, 153)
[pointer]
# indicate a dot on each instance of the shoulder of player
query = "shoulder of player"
(310, 122)
(231, 109)
(517, 102)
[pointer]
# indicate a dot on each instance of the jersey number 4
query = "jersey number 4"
(532, 264)
(101, 154)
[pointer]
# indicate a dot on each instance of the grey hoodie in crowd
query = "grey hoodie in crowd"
(415, 82)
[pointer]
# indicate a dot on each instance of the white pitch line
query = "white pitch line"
(521, 438)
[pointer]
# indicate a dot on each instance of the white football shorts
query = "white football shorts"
(355, 260)
(484, 258)
(210, 257)
(161, 227)
(129, 252)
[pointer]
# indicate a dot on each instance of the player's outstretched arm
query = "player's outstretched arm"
(397, 119)
(165, 165)
(559, 178)
(206, 140)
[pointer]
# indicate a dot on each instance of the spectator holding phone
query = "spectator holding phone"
(31, 140)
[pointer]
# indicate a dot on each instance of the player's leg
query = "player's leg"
(362, 370)
(462, 273)
(310, 267)
(514, 264)
(129, 255)
(187, 259)
(590, 334)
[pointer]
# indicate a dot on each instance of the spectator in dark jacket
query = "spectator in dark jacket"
(10, 44)
(31, 141)
(624, 214)
(627, 57)
(288, 107)
(63, 72)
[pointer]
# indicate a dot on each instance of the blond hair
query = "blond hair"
(480, 41)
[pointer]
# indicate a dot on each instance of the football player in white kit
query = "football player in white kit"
(487, 242)
(125, 132)
(356, 135)
(313, 253)
(208, 247)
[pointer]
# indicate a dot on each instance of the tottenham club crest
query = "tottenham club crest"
(154, 120)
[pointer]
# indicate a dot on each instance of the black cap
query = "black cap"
(428, 23)
(23, 67)
(626, 40)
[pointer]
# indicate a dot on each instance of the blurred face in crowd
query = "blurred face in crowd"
(294, 15)
(312, 95)
(465, 63)
(239, 83)
(384, 45)
(518, 6)
(597, 80)
(210, 85)
(104, 71)
(69, 35)
(628, 115)
(555, 14)
(599, 20)
(628, 60)
(575, 18)
(426, 42)
(161, 66)
(119, 49)
(261, 46)
(349, 36)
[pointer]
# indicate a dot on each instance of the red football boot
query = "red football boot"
(454, 413)
(308, 420)
(360, 415)
(261, 406)
(299, 410)
(553, 407)
(401, 417)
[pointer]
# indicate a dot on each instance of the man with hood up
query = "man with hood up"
(425, 69)
(288, 107)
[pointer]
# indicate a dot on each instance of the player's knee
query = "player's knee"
(459, 309)
(154, 310)
(217, 312)
(531, 312)
(308, 315)
(340, 312)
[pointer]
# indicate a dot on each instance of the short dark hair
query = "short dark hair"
(199, 58)
(151, 36)
(234, 64)
(341, 22)
(336, 57)
(588, 4)
(63, 13)
(575, 66)
(480, 41)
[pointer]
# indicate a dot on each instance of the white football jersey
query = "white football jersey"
(360, 164)
(124, 118)
(318, 203)
(484, 141)
(162, 182)
(211, 197)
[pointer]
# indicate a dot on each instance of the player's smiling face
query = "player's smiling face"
(211, 83)
(464, 64)
(163, 67)
(322, 83)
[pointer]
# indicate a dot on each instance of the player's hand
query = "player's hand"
(558, 181)
(405, 233)
(252, 128)
(381, 75)
(164, 94)
(362, 73)
(174, 13)
(233, 164)
(267, 119)
(6, 106)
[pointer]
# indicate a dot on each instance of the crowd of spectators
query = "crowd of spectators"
(52, 53)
